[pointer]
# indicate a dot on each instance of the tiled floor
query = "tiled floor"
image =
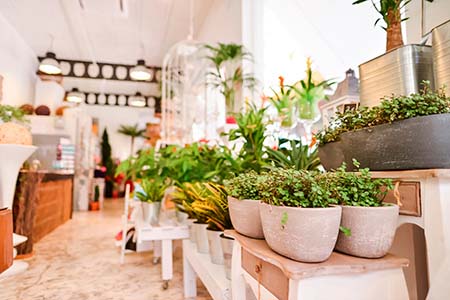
(78, 261)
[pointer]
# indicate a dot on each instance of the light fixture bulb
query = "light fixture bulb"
(74, 96)
(137, 100)
(49, 65)
(141, 72)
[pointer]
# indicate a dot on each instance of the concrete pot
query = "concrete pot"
(227, 248)
(192, 234)
(201, 238)
(416, 143)
(245, 217)
(372, 230)
(307, 235)
(215, 246)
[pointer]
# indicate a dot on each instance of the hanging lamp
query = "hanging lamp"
(75, 96)
(141, 72)
(49, 65)
(137, 100)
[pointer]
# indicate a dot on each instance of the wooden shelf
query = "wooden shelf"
(212, 275)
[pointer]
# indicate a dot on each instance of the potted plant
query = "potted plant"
(372, 224)
(293, 154)
(243, 202)
(402, 133)
(150, 194)
(214, 206)
(299, 217)
(94, 204)
(132, 131)
(228, 74)
(402, 68)
(284, 103)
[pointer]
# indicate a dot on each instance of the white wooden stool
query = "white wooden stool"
(272, 276)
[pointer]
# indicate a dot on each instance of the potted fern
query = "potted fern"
(402, 68)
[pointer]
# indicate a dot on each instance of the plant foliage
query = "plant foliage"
(153, 190)
(385, 8)
(10, 113)
(295, 155)
(245, 186)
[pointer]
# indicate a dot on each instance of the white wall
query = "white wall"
(222, 23)
(18, 65)
(112, 118)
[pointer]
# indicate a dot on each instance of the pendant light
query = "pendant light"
(75, 96)
(137, 100)
(49, 65)
(141, 72)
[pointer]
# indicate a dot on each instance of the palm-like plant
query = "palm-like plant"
(391, 15)
(132, 131)
(228, 75)
(297, 156)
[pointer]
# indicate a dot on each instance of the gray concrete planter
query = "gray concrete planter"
(245, 217)
(306, 235)
(372, 230)
(416, 143)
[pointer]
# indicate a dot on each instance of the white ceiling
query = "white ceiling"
(102, 31)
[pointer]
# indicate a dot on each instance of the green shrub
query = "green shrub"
(245, 186)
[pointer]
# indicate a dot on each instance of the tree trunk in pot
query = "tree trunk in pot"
(372, 230)
(394, 30)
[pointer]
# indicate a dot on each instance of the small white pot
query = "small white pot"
(227, 248)
(201, 237)
(192, 234)
(181, 217)
(150, 212)
(215, 246)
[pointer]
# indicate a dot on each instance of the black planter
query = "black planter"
(416, 143)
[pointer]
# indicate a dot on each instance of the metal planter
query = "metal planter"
(399, 71)
(441, 55)
(416, 143)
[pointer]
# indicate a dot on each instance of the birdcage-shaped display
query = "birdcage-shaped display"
(187, 116)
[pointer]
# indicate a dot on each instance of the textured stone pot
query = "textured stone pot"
(245, 217)
(192, 234)
(307, 234)
(416, 143)
(227, 248)
(215, 246)
(201, 238)
(372, 230)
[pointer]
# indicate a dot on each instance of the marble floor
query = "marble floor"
(78, 261)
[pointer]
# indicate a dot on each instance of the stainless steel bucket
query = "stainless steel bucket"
(441, 55)
(398, 72)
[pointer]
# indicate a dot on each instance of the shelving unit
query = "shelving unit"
(199, 265)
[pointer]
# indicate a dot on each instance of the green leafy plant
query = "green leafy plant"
(107, 162)
(390, 11)
(153, 190)
(228, 75)
(295, 155)
(132, 131)
(391, 109)
(289, 187)
(245, 186)
(355, 188)
(96, 193)
(10, 113)
(251, 128)
(284, 102)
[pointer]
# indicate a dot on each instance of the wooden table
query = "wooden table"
(272, 276)
(425, 199)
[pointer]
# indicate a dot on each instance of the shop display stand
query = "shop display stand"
(199, 265)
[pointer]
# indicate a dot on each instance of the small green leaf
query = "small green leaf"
(346, 231)
(284, 218)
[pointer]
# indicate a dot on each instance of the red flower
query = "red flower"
(275, 147)
(230, 120)
(281, 78)
(313, 141)
(203, 140)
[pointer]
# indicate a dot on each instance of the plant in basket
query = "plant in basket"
(299, 216)
(243, 202)
(372, 223)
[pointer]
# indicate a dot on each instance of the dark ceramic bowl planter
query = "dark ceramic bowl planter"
(372, 230)
(302, 234)
(245, 217)
(416, 143)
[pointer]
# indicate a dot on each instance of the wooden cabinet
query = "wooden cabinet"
(6, 243)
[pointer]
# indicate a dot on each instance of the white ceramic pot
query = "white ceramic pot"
(192, 234)
(302, 234)
(150, 212)
(372, 230)
(181, 216)
(201, 237)
(245, 217)
(215, 246)
(227, 248)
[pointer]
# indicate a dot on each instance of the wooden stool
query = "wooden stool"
(272, 276)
